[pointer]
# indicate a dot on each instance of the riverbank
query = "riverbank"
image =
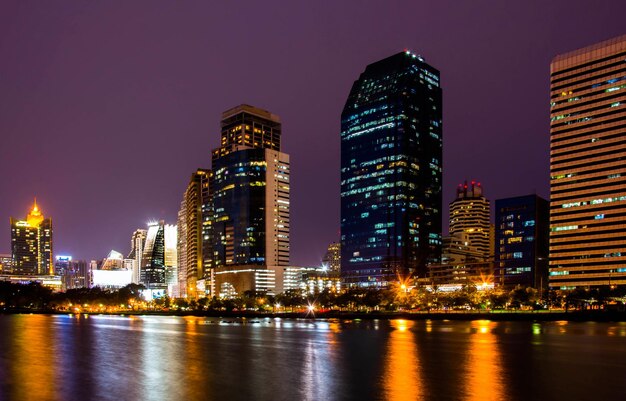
(574, 316)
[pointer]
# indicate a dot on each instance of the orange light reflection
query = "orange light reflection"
(484, 369)
(402, 372)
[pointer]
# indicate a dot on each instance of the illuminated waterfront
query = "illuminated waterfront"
(65, 357)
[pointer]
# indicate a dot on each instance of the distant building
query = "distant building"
(137, 243)
(522, 228)
(391, 166)
(230, 282)
(250, 190)
(113, 261)
(470, 215)
(113, 272)
(159, 254)
(63, 268)
(181, 254)
(462, 264)
(76, 274)
(332, 258)
(31, 244)
(6, 263)
(587, 175)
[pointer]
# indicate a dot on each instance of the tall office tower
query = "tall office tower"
(194, 234)
(171, 259)
(31, 244)
(587, 166)
(246, 126)
(332, 258)
(522, 229)
(181, 253)
(391, 165)
(152, 273)
(137, 243)
(250, 193)
(470, 214)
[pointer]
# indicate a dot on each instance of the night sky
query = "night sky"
(107, 107)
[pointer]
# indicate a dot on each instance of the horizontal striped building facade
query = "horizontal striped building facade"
(588, 167)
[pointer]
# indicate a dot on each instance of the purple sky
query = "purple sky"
(107, 107)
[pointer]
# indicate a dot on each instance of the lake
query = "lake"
(98, 357)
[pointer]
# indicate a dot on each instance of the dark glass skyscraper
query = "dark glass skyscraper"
(522, 228)
(391, 166)
(250, 189)
(152, 272)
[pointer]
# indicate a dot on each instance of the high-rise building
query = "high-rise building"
(31, 244)
(171, 259)
(587, 166)
(332, 258)
(391, 166)
(250, 198)
(181, 254)
(521, 240)
(137, 243)
(195, 253)
(152, 273)
(470, 214)
(248, 127)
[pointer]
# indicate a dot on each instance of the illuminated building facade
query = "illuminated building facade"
(250, 197)
(113, 261)
(332, 258)
(461, 264)
(522, 229)
(247, 126)
(137, 243)
(195, 254)
(182, 249)
(31, 244)
(587, 166)
(73, 273)
(6, 263)
(114, 272)
(152, 273)
(391, 167)
(470, 214)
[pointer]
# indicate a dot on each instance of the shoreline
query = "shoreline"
(542, 316)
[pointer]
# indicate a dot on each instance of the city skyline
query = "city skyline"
(87, 130)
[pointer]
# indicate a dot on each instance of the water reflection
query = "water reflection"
(402, 373)
(140, 358)
(33, 369)
(483, 377)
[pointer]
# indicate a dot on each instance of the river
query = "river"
(97, 357)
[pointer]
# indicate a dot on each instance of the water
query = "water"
(188, 358)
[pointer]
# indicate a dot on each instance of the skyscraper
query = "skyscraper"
(31, 244)
(587, 166)
(152, 273)
(250, 197)
(391, 166)
(137, 244)
(195, 254)
(181, 254)
(522, 230)
(470, 214)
